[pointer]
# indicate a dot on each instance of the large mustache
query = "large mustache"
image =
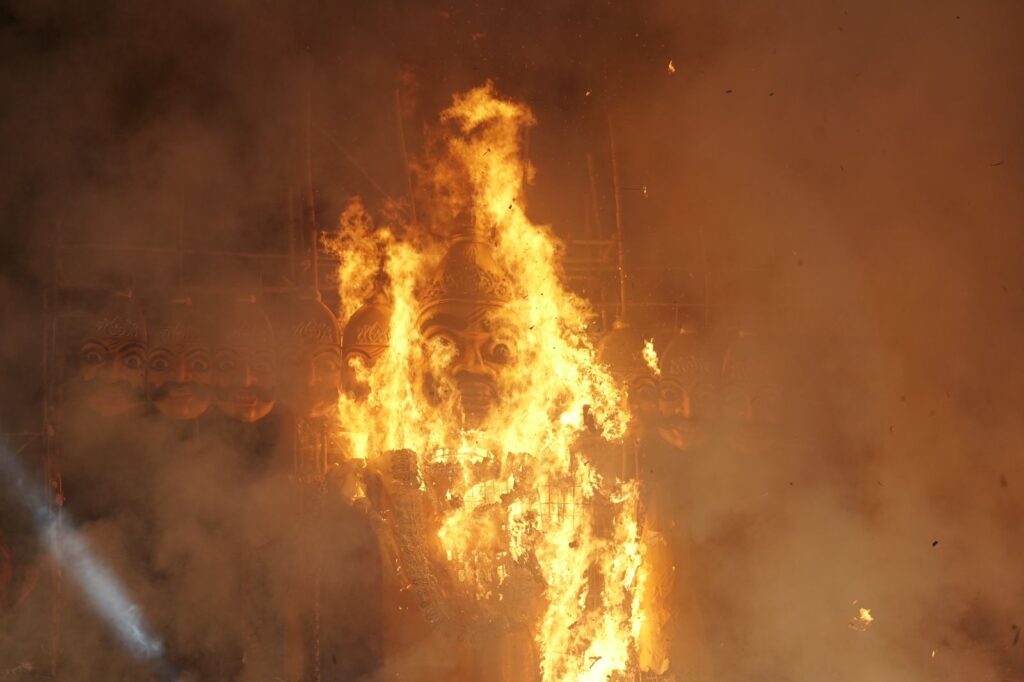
(162, 391)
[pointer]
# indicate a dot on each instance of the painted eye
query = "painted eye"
(133, 361)
(670, 394)
(328, 365)
(225, 365)
(444, 346)
(261, 367)
(198, 364)
(92, 357)
(501, 353)
(644, 393)
(160, 364)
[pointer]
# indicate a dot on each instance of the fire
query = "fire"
(518, 523)
(863, 619)
(651, 357)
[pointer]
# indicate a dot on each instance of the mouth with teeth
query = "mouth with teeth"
(477, 397)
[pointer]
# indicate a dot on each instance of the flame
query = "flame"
(519, 491)
(671, 67)
(863, 619)
(651, 356)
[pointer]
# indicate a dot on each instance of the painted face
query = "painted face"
(353, 364)
(244, 382)
(178, 372)
(621, 350)
(308, 356)
(643, 399)
(687, 393)
(467, 355)
(366, 337)
(311, 377)
(112, 373)
(684, 412)
(178, 380)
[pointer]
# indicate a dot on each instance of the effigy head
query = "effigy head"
(687, 391)
(244, 376)
(622, 351)
(112, 359)
(178, 372)
(309, 356)
(366, 337)
(469, 337)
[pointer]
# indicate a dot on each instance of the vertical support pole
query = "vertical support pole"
(618, 220)
(314, 228)
(292, 235)
(400, 121)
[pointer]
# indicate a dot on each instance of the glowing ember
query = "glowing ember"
(526, 531)
(651, 357)
(863, 620)
(671, 67)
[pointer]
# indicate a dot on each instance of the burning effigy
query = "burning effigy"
(462, 341)
(470, 422)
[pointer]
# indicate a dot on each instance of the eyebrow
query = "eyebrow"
(446, 320)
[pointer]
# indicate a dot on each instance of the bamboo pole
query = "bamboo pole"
(620, 252)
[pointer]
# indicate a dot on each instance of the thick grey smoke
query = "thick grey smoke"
(850, 173)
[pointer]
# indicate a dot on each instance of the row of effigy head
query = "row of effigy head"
(182, 359)
(240, 358)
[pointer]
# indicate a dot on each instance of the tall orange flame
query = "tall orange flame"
(543, 505)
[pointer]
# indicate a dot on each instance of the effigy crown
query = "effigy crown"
(468, 274)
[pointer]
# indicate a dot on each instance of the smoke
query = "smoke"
(849, 173)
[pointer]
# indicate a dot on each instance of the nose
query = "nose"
(116, 371)
(181, 372)
(248, 377)
(680, 407)
(471, 359)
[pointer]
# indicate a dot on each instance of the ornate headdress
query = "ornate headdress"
(368, 331)
(468, 275)
(687, 360)
(306, 320)
(244, 325)
(178, 324)
(120, 320)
